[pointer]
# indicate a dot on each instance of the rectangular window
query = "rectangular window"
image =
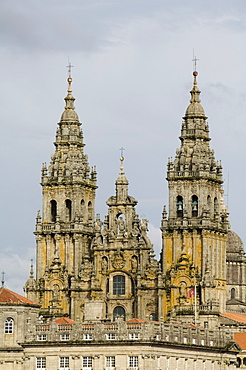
(134, 336)
(133, 362)
(110, 362)
(87, 363)
(87, 336)
(64, 363)
(118, 284)
(42, 337)
(64, 337)
(110, 336)
(41, 363)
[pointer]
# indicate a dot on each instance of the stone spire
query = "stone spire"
(195, 158)
(69, 114)
(195, 109)
(69, 163)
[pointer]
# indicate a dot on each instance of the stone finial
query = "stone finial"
(195, 109)
(69, 113)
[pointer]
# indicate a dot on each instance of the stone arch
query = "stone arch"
(119, 311)
(194, 205)
(215, 206)
(233, 293)
(90, 211)
(180, 206)
(68, 204)
(53, 210)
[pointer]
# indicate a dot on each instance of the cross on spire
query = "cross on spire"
(69, 69)
(194, 60)
(122, 152)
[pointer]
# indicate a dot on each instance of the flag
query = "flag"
(191, 292)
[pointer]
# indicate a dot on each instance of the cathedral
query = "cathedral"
(90, 268)
(99, 298)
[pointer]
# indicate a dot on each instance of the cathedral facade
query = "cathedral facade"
(88, 268)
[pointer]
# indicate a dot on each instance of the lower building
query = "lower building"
(28, 342)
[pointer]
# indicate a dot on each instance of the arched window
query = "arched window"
(53, 210)
(9, 326)
(153, 316)
(215, 205)
(118, 284)
(68, 210)
(119, 311)
(90, 211)
(233, 293)
(82, 207)
(194, 206)
(179, 206)
(209, 203)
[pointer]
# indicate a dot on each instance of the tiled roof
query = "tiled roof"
(136, 320)
(7, 296)
(239, 317)
(240, 338)
(64, 320)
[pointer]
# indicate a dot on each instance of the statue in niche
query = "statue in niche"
(134, 263)
(98, 232)
(144, 226)
(55, 293)
(121, 225)
(183, 290)
(104, 264)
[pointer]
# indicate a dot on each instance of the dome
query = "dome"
(69, 115)
(195, 109)
(234, 243)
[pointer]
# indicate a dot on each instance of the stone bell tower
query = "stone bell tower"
(65, 229)
(194, 233)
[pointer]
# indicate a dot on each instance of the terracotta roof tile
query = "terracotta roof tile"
(136, 320)
(239, 317)
(64, 320)
(7, 296)
(240, 338)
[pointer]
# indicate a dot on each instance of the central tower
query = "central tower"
(194, 233)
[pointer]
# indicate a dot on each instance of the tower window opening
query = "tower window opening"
(179, 205)
(119, 284)
(53, 210)
(82, 207)
(68, 210)
(90, 211)
(215, 205)
(209, 203)
(233, 293)
(194, 206)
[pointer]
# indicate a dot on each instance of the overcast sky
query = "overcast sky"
(131, 78)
